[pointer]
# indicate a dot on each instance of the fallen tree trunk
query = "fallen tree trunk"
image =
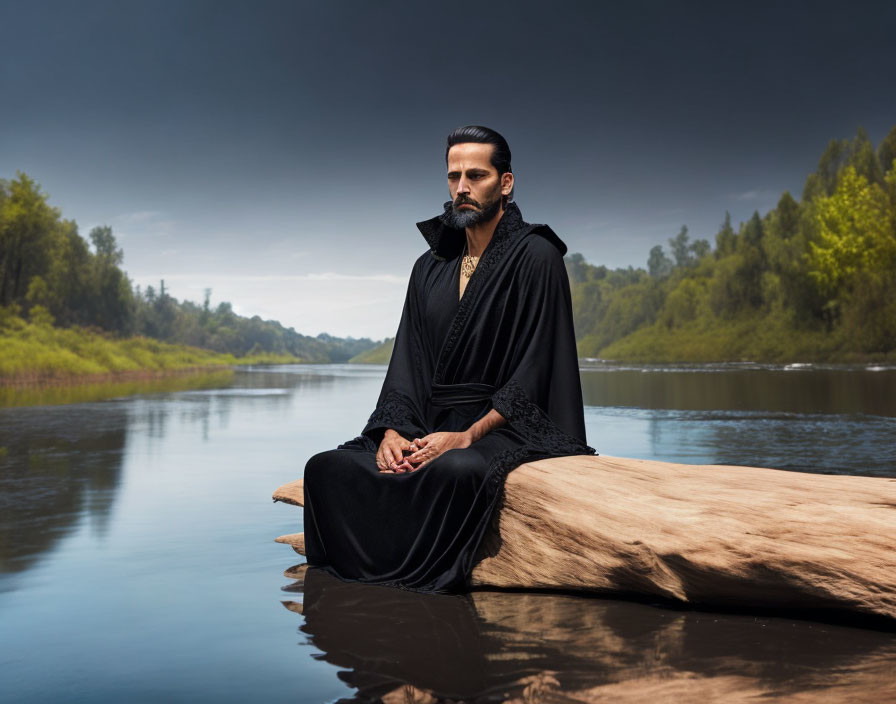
(703, 534)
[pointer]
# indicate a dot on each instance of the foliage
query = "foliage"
(50, 274)
(810, 280)
(377, 355)
(855, 235)
(35, 350)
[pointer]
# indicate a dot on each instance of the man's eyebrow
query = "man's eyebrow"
(474, 169)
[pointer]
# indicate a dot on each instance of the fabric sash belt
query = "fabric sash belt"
(460, 394)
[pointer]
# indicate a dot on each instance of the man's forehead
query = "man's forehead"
(470, 155)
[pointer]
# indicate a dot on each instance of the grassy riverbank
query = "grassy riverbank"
(35, 352)
(769, 339)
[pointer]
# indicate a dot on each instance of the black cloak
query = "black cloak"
(508, 344)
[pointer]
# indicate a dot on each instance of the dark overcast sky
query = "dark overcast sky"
(281, 152)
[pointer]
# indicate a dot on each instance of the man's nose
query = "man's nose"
(463, 186)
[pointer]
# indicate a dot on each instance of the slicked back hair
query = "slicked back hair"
(500, 157)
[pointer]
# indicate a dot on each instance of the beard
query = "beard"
(460, 218)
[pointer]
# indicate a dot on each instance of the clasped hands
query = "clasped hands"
(397, 454)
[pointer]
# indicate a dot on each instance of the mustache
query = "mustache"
(465, 201)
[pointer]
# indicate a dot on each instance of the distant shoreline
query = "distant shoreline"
(35, 354)
(32, 380)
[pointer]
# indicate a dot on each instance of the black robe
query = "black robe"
(507, 344)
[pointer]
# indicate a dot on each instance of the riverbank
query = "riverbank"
(38, 354)
(771, 339)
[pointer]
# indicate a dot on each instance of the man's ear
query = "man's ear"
(506, 183)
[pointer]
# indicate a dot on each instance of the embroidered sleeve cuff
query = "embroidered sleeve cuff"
(395, 412)
(534, 424)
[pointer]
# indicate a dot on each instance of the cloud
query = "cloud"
(138, 216)
(755, 194)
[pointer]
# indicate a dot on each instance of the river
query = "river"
(137, 559)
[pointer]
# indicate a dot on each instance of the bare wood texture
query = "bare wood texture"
(292, 493)
(711, 534)
(698, 533)
(295, 540)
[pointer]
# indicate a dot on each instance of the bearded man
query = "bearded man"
(483, 377)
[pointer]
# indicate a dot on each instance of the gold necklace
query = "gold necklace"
(468, 265)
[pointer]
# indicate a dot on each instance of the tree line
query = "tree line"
(814, 277)
(48, 271)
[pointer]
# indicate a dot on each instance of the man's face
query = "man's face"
(474, 184)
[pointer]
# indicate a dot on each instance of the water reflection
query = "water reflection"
(57, 464)
(825, 443)
(397, 645)
(61, 461)
(804, 389)
(173, 480)
(809, 418)
(66, 393)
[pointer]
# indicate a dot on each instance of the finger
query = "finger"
(423, 453)
(422, 442)
(427, 449)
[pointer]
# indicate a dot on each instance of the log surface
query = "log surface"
(292, 493)
(709, 534)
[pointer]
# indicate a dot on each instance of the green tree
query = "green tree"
(886, 151)
(753, 262)
(105, 245)
(679, 247)
(855, 235)
(26, 230)
(726, 239)
(699, 249)
(658, 264)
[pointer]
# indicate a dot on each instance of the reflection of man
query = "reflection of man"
(483, 377)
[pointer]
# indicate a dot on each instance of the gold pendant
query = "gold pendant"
(468, 265)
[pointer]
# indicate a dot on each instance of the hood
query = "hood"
(446, 242)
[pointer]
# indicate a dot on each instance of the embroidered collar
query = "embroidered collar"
(446, 242)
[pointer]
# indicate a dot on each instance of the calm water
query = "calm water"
(137, 558)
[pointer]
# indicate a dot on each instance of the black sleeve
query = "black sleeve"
(542, 396)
